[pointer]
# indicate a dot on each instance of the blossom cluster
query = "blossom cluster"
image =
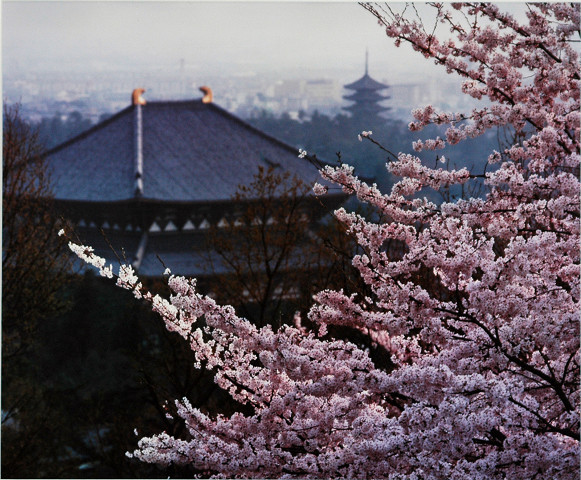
(363, 134)
(319, 189)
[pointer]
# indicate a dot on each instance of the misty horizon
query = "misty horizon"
(62, 56)
(219, 38)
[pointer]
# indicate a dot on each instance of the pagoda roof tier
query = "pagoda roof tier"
(366, 96)
(366, 83)
(364, 109)
(184, 151)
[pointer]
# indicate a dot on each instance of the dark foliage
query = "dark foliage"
(35, 265)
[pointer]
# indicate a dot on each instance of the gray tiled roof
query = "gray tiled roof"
(192, 152)
(96, 165)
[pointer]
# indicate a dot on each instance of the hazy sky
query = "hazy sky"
(316, 39)
(218, 36)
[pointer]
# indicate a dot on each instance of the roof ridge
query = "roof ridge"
(171, 102)
(260, 132)
(247, 125)
(88, 132)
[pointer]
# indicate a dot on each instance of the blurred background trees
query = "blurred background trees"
(35, 267)
(270, 260)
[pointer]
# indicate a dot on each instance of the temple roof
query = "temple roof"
(363, 96)
(154, 177)
(366, 83)
(190, 151)
(366, 109)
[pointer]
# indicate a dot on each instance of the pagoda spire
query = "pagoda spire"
(367, 61)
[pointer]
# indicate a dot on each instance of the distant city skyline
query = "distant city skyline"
(87, 56)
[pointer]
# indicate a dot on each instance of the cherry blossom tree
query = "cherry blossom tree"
(479, 312)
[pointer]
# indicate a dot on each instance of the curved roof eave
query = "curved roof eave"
(366, 83)
(88, 132)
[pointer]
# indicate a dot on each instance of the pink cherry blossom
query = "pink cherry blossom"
(478, 308)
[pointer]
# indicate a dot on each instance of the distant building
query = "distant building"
(155, 176)
(366, 97)
(307, 95)
(322, 94)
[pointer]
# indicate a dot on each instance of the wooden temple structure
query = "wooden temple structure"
(154, 177)
(366, 96)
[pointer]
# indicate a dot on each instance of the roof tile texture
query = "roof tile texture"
(192, 152)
